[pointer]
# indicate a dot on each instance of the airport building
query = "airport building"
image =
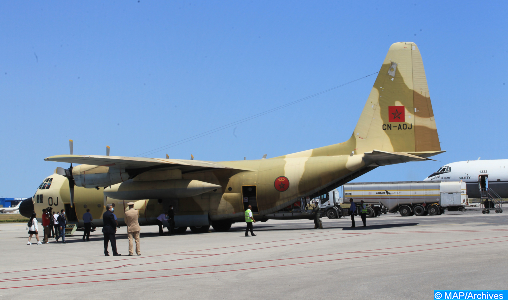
(10, 202)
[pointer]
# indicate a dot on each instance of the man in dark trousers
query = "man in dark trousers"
(109, 230)
(87, 220)
(363, 213)
(171, 220)
(352, 211)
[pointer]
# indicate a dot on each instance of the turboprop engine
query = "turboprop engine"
(90, 176)
(159, 189)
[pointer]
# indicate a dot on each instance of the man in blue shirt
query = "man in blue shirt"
(87, 219)
(352, 211)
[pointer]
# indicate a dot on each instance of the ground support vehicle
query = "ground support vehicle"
(411, 197)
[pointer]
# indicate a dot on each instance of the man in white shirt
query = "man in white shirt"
(57, 228)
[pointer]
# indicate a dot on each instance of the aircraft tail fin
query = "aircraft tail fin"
(398, 115)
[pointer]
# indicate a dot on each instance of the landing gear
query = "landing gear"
(200, 229)
(221, 226)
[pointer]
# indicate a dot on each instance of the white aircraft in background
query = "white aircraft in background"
(489, 175)
(14, 209)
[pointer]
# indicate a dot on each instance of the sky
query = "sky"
(150, 78)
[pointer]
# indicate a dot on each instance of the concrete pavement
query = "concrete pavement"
(393, 258)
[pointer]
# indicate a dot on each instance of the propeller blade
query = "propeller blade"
(71, 189)
(71, 146)
(167, 156)
(107, 150)
(192, 157)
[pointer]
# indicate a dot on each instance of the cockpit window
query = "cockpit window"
(46, 184)
(442, 170)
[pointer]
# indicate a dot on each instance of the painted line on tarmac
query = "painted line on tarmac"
(149, 263)
(352, 234)
(237, 270)
(370, 251)
(311, 235)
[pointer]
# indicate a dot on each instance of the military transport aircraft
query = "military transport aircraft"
(396, 126)
(487, 175)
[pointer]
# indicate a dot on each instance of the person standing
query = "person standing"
(363, 213)
(160, 221)
(171, 220)
(51, 223)
(87, 219)
(133, 229)
(109, 230)
(249, 218)
(352, 211)
(45, 225)
(33, 229)
(57, 228)
(62, 221)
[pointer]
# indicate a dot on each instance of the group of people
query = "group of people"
(110, 224)
(53, 225)
(363, 212)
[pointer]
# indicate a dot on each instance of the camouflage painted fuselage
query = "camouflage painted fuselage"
(396, 125)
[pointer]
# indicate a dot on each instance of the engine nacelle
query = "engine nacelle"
(90, 176)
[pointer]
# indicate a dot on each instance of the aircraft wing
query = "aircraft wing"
(382, 158)
(133, 163)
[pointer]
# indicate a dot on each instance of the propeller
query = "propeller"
(68, 174)
(107, 150)
(192, 157)
(167, 156)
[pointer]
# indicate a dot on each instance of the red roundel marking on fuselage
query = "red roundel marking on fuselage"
(281, 183)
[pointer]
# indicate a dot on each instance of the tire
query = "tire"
(180, 229)
(405, 211)
(419, 210)
(221, 226)
(433, 210)
(200, 229)
(331, 213)
(370, 212)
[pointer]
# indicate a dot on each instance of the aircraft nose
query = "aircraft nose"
(26, 208)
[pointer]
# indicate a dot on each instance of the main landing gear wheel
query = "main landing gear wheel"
(221, 226)
(200, 229)
(405, 211)
(419, 210)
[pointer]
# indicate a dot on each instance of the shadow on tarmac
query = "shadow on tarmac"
(384, 226)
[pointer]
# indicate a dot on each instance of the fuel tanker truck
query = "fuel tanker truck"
(410, 197)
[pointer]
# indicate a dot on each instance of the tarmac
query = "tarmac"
(393, 257)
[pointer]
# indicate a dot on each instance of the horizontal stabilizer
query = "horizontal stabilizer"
(382, 158)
